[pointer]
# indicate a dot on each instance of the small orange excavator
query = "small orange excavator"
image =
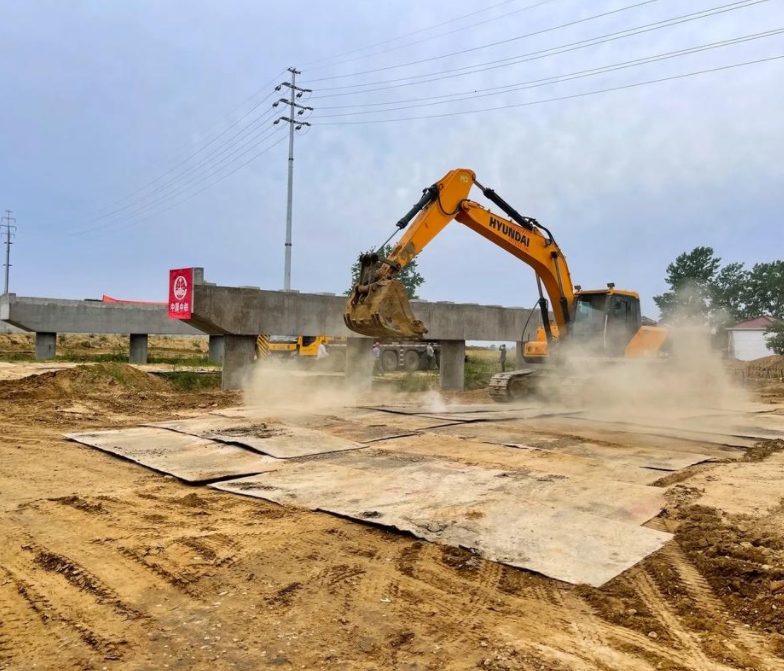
(607, 323)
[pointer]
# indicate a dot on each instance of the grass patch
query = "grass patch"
(115, 372)
(71, 356)
(478, 372)
(415, 383)
(15, 357)
(189, 381)
(190, 361)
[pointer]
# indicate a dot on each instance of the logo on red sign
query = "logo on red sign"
(181, 293)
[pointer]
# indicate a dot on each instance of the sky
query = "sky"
(117, 117)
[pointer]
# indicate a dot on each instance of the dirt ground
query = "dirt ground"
(24, 343)
(107, 565)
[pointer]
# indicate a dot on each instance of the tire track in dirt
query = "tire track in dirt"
(449, 572)
(82, 579)
(633, 616)
(58, 589)
(482, 598)
(408, 558)
(21, 629)
(656, 602)
(752, 645)
(40, 596)
(522, 583)
(641, 646)
(335, 576)
(345, 582)
(562, 618)
(588, 629)
(180, 580)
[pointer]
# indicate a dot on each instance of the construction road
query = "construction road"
(107, 564)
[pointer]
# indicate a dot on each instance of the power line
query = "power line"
(400, 37)
(435, 37)
(557, 79)
(558, 99)
(117, 225)
(537, 55)
(226, 162)
(221, 149)
(204, 146)
(491, 44)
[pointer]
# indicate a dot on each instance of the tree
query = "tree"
(691, 278)
(700, 289)
(775, 336)
(730, 294)
(765, 290)
(409, 275)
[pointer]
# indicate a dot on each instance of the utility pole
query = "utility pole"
(10, 231)
(295, 92)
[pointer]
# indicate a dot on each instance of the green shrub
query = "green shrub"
(189, 381)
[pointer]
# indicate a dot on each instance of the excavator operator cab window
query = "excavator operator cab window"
(308, 340)
(589, 315)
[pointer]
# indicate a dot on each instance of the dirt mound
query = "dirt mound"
(82, 381)
(12, 342)
(766, 367)
(763, 449)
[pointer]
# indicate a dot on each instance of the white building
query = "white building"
(747, 340)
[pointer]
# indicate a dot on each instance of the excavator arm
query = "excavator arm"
(378, 305)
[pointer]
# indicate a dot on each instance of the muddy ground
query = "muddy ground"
(107, 565)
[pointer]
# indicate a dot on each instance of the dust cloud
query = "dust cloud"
(691, 376)
(691, 380)
(291, 386)
(282, 384)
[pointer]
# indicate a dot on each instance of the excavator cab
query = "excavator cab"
(605, 320)
(608, 322)
(378, 306)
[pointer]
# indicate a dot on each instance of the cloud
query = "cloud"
(625, 180)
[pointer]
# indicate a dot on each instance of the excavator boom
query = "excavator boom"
(379, 306)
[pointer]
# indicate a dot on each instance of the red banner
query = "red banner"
(181, 293)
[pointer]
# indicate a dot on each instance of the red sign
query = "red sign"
(181, 293)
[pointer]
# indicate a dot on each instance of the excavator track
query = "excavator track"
(514, 385)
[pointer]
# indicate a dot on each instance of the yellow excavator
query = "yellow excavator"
(606, 323)
(536, 350)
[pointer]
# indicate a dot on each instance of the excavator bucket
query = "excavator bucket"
(378, 306)
(382, 310)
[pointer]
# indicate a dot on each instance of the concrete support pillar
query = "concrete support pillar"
(519, 361)
(216, 348)
(138, 349)
(359, 363)
(452, 365)
(238, 354)
(45, 345)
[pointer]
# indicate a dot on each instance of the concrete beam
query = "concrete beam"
(54, 315)
(216, 349)
(45, 345)
(452, 365)
(138, 348)
(238, 356)
(252, 311)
